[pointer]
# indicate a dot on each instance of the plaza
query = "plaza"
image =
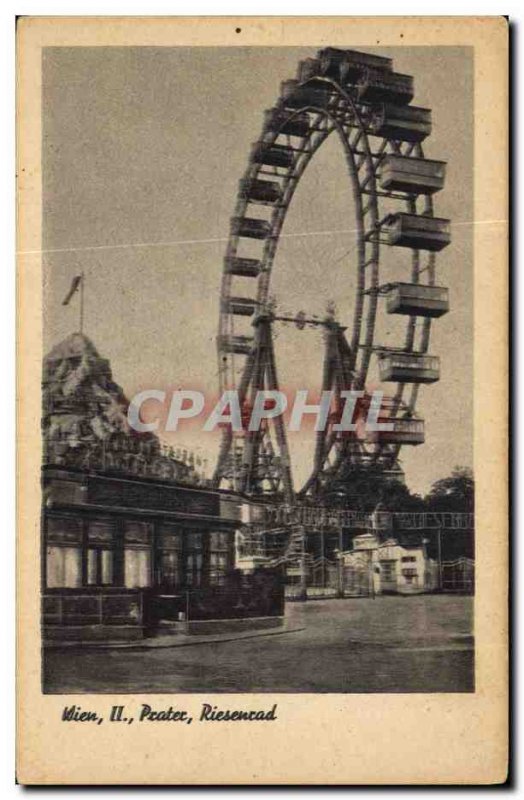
(397, 644)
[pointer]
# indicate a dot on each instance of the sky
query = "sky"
(143, 149)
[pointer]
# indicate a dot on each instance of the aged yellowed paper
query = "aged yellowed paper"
(262, 400)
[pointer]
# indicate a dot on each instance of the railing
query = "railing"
(100, 607)
(271, 517)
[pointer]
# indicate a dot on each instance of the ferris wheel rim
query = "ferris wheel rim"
(278, 219)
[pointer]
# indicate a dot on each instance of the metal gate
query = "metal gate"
(326, 577)
(458, 576)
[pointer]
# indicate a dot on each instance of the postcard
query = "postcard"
(263, 400)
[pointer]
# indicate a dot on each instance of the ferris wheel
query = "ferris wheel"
(360, 100)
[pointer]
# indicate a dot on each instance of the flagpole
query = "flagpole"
(81, 302)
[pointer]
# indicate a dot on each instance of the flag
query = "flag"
(77, 280)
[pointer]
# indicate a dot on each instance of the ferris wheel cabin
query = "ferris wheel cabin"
(308, 69)
(296, 96)
(243, 267)
(417, 300)
(347, 65)
(416, 231)
(401, 123)
(274, 155)
(260, 191)
(378, 86)
(291, 124)
(241, 306)
(405, 431)
(412, 175)
(250, 228)
(409, 368)
(236, 345)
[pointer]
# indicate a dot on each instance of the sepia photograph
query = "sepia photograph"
(286, 233)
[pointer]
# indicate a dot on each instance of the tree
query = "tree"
(454, 493)
(363, 491)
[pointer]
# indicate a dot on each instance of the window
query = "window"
(170, 568)
(136, 532)
(137, 568)
(194, 541)
(64, 567)
(170, 556)
(408, 559)
(100, 532)
(170, 537)
(388, 570)
(410, 575)
(194, 559)
(91, 552)
(99, 567)
(137, 554)
(219, 549)
(100, 546)
(63, 552)
(64, 530)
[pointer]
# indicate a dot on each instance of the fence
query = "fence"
(92, 607)
(329, 578)
(259, 594)
(326, 577)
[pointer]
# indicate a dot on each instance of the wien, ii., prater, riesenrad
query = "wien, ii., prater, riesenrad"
(360, 99)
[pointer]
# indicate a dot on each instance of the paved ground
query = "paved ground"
(390, 644)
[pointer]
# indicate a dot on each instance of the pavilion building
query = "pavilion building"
(133, 539)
